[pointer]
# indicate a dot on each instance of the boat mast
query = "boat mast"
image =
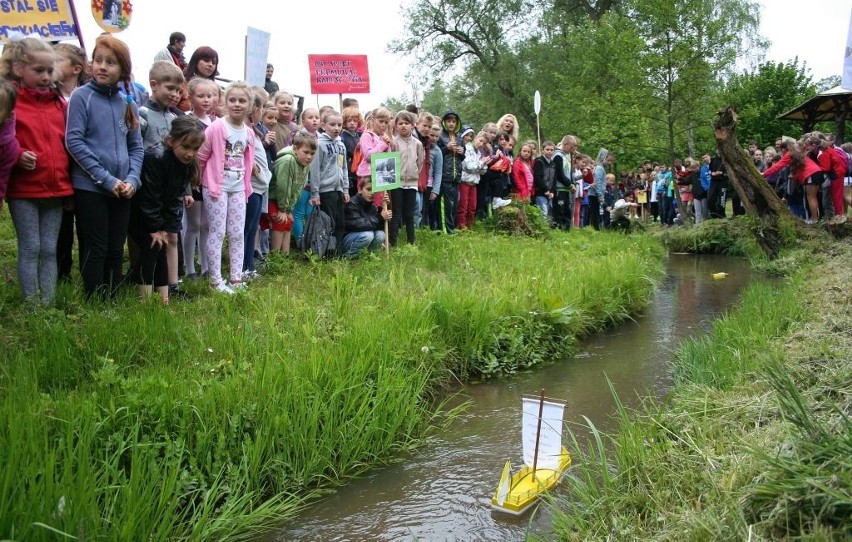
(538, 431)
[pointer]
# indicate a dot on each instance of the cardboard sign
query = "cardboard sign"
(112, 15)
(53, 20)
(257, 49)
(339, 74)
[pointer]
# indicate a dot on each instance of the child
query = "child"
(291, 176)
(226, 160)
(328, 177)
(104, 138)
(70, 68)
(155, 120)
(264, 143)
(475, 163)
(522, 176)
(310, 122)
(375, 139)
(204, 94)
(453, 154)
(364, 222)
(9, 146)
(412, 156)
(40, 178)
(422, 128)
(285, 127)
(270, 117)
(433, 185)
(500, 171)
(70, 72)
(350, 136)
(168, 170)
(544, 179)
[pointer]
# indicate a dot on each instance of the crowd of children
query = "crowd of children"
(173, 176)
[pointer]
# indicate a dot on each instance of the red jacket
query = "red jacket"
(800, 175)
(829, 161)
(40, 128)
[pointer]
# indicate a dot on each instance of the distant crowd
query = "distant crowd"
(173, 172)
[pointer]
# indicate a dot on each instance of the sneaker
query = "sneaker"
(223, 288)
(238, 286)
(250, 275)
(498, 203)
(810, 222)
(176, 292)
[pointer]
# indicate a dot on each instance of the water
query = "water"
(443, 491)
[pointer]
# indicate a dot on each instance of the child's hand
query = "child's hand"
(314, 201)
(387, 214)
(188, 201)
(159, 239)
(280, 217)
(345, 197)
(27, 160)
(270, 137)
(433, 196)
(117, 189)
(127, 190)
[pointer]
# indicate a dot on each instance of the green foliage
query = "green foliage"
(761, 95)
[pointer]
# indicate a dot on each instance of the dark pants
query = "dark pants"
(252, 224)
(153, 263)
(562, 209)
(102, 226)
(65, 245)
(450, 196)
(595, 212)
(715, 201)
(332, 204)
(402, 204)
(432, 209)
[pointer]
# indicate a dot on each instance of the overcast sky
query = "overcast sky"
(815, 31)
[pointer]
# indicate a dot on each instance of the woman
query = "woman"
(204, 62)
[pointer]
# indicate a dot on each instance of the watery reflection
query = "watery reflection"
(443, 491)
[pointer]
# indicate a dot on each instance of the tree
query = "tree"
(761, 95)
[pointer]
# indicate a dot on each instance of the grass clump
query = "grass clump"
(216, 417)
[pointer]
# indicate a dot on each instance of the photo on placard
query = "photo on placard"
(386, 171)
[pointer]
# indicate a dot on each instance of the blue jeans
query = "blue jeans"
(355, 242)
(418, 210)
(252, 224)
(543, 203)
(300, 213)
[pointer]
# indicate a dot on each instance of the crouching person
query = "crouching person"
(619, 215)
(364, 222)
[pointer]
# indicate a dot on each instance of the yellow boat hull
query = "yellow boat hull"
(525, 488)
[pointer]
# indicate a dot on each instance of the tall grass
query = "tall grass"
(213, 418)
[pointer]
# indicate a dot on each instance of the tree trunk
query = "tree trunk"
(757, 196)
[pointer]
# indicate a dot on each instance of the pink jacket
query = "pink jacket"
(370, 144)
(522, 179)
(211, 157)
(9, 148)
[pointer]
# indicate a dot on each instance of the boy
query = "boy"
(364, 222)
(328, 177)
(433, 184)
(453, 154)
(291, 174)
(620, 210)
(421, 132)
(544, 177)
(412, 157)
(155, 120)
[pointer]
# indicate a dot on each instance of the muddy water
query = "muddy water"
(443, 491)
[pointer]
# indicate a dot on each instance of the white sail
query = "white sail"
(550, 440)
(504, 486)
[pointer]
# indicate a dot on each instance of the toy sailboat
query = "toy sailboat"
(545, 459)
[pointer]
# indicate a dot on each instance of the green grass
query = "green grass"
(753, 443)
(217, 417)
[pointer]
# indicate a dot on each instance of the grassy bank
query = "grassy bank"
(215, 417)
(755, 441)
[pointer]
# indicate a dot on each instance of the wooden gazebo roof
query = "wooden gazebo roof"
(832, 105)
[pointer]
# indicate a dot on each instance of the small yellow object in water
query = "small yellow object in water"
(720, 276)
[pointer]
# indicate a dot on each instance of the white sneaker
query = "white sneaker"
(238, 287)
(497, 203)
(223, 288)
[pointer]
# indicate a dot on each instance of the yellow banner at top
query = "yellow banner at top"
(51, 19)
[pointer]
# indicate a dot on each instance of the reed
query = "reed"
(216, 417)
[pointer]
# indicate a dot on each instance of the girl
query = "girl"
(203, 63)
(375, 139)
(352, 121)
(226, 160)
(70, 68)
(804, 170)
(475, 163)
(168, 170)
(522, 177)
(204, 95)
(291, 177)
(40, 178)
(9, 146)
(104, 139)
(260, 178)
(285, 128)
(412, 156)
(310, 122)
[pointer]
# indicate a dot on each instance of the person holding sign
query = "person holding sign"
(364, 221)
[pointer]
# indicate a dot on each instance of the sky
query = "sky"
(815, 31)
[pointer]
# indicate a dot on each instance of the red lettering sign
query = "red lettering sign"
(339, 74)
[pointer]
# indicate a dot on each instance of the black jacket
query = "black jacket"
(362, 215)
(165, 180)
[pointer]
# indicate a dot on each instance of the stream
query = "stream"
(442, 491)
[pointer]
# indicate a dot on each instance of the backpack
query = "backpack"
(319, 237)
(357, 158)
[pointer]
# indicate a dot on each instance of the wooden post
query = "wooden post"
(387, 234)
(538, 431)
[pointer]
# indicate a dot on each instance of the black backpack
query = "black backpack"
(319, 237)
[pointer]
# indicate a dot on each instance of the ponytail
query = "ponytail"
(130, 118)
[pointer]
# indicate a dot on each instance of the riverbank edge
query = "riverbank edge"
(117, 414)
(755, 441)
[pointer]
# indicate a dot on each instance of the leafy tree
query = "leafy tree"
(761, 95)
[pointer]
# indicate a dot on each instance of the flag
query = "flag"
(847, 60)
